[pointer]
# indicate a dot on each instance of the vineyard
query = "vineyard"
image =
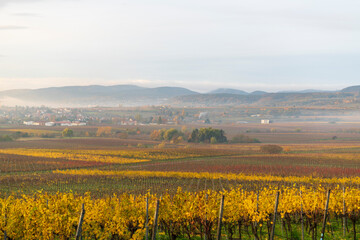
(42, 190)
(245, 215)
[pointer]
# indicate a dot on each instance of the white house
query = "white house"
(265, 121)
(49, 124)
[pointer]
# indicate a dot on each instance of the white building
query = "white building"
(31, 123)
(49, 124)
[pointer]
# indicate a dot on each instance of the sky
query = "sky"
(198, 44)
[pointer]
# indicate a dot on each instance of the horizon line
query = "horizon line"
(189, 88)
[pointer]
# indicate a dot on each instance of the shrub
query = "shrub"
(47, 135)
(19, 134)
(161, 145)
(5, 138)
(122, 135)
(240, 138)
(287, 149)
(272, 149)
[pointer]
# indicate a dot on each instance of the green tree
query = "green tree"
(171, 134)
(67, 132)
(213, 140)
(205, 134)
(194, 137)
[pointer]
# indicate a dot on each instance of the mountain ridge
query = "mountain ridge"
(133, 95)
(228, 90)
(130, 95)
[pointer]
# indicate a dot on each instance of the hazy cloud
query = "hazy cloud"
(25, 14)
(11, 27)
(201, 44)
(5, 2)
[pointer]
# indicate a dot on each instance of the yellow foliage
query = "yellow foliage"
(45, 216)
(103, 131)
(207, 175)
(112, 156)
(78, 155)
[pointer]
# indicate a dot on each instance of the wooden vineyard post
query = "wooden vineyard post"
(81, 219)
(325, 215)
(301, 216)
(221, 211)
(155, 220)
(147, 219)
(274, 219)
(344, 214)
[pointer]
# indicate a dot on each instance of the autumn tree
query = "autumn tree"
(67, 132)
(103, 131)
(171, 134)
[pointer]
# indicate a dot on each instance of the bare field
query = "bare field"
(311, 152)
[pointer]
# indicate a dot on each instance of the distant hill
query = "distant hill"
(94, 95)
(269, 99)
(131, 95)
(304, 91)
(258, 93)
(229, 91)
(351, 89)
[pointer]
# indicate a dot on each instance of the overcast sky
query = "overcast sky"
(198, 44)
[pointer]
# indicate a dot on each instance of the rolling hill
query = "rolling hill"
(351, 89)
(228, 91)
(347, 97)
(131, 95)
(94, 95)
